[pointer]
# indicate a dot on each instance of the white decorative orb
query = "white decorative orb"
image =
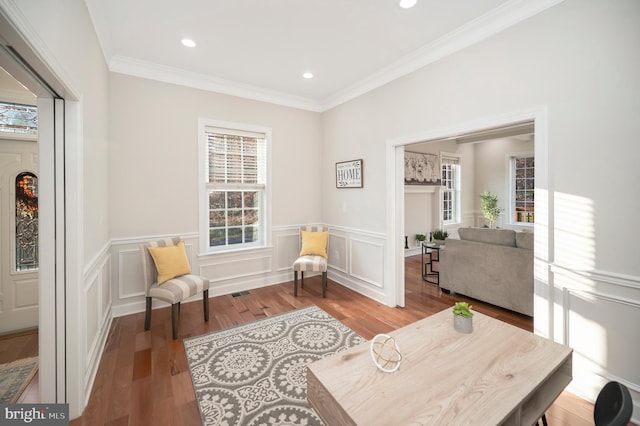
(385, 353)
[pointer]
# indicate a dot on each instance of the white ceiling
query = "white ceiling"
(11, 90)
(260, 48)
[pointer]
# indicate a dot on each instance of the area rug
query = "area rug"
(256, 373)
(14, 378)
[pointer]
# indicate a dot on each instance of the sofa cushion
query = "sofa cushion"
(524, 240)
(503, 237)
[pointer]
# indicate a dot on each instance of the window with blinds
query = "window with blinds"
(235, 185)
(451, 189)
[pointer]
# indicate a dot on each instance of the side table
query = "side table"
(428, 251)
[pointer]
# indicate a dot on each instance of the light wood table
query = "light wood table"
(498, 374)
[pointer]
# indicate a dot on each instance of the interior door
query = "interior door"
(18, 234)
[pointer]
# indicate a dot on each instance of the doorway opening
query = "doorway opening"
(396, 201)
(499, 161)
(20, 60)
(19, 208)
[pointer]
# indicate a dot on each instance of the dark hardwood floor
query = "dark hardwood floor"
(143, 378)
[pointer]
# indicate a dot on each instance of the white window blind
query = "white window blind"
(236, 157)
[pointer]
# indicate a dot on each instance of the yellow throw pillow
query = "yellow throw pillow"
(314, 243)
(170, 261)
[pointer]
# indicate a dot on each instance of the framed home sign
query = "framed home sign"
(349, 174)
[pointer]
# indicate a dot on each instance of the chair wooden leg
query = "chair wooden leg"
(295, 283)
(147, 315)
(301, 279)
(205, 304)
(324, 284)
(175, 312)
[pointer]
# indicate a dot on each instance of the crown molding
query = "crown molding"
(153, 71)
(481, 28)
(491, 23)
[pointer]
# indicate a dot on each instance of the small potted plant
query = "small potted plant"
(439, 235)
(420, 238)
(462, 317)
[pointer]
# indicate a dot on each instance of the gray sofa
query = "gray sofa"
(491, 265)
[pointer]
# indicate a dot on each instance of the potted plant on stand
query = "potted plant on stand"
(462, 317)
(439, 235)
(489, 207)
(420, 238)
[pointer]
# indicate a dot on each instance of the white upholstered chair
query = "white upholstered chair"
(174, 290)
(313, 256)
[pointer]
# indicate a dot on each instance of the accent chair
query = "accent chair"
(168, 277)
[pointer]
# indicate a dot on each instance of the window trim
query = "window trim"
(457, 219)
(203, 198)
(511, 187)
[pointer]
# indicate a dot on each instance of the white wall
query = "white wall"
(580, 60)
(154, 155)
(418, 208)
(153, 190)
(66, 29)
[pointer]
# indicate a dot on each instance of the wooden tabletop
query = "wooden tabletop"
(497, 374)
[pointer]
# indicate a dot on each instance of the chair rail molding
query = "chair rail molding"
(590, 307)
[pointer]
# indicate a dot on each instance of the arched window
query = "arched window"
(26, 221)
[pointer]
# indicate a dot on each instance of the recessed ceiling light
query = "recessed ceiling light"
(406, 4)
(307, 75)
(188, 42)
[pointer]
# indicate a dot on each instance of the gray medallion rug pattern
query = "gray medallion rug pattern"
(256, 374)
(14, 378)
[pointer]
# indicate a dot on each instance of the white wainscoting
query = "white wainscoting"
(229, 272)
(126, 267)
(356, 260)
(597, 314)
(97, 314)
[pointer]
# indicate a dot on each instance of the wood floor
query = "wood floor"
(143, 377)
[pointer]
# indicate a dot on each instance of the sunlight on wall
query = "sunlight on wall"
(585, 336)
(542, 228)
(540, 264)
(574, 243)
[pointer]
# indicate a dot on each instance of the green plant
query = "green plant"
(489, 207)
(420, 237)
(440, 234)
(462, 309)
